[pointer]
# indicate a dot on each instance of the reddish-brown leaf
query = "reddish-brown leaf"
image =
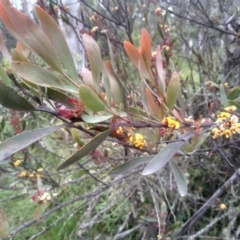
(58, 41)
(153, 106)
(29, 34)
(146, 47)
(137, 60)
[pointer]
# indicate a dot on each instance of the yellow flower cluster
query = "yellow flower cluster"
(17, 163)
(222, 206)
(45, 198)
(137, 140)
(92, 18)
(32, 175)
(119, 131)
(166, 47)
(94, 29)
(229, 124)
(171, 123)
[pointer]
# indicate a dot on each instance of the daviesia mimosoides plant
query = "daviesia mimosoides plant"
(97, 104)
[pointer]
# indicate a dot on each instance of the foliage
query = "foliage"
(112, 154)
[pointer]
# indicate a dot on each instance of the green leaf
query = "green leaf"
(22, 140)
(223, 96)
(94, 57)
(111, 54)
(18, 56)
(88, 80)
(3, 48)
(162, 158)
(180, 180)
(29, 34)
(43, 77)
(58, 96)
(90, 99)
(86, 149)
(107, 86)
(58, 41)
(3, 75)
(95, 118)
(129, 166)
(234, 93)
(175, 227)
(152, 105)
(76, 137)
(10, 99)
(173, 90)
(115, 84)
(138, 112)
(160, 71)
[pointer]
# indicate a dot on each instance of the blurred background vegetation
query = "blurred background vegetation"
(201, 40)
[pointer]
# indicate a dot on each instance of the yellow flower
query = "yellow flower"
(171, 123)
(92, 18)
(223, 115)
(235, 128)
(227, 133)
(46, 197)
(216, 133)
(222, 206)
(32, 175)
(234, 119)
(23, 174)
(40, 170)
(94, 29)
(119, 131)
(154, 54)
(138, 140)
(230, 108)
(17, 163)
(158, 11)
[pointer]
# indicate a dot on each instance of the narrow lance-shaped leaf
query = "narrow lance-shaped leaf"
(95, 118)
(88, 80)
(90, 99)
(57, 96)
(129, 166)
(94, 57)
(58, 41)
(29, 34)
(111, 54)
(4, 77)
(3, 48)
(162, 158)
(10, 99)
(18, 56)
(107, 86)
(137, 60)
(173, 90)
(234, 93)
(160, 71)
(115, 84)
(22, 140)
(43, 77)
(223, 96)
(146, 47)
(86, 149)
(180, 180)
(152, 105)
(4, 226)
